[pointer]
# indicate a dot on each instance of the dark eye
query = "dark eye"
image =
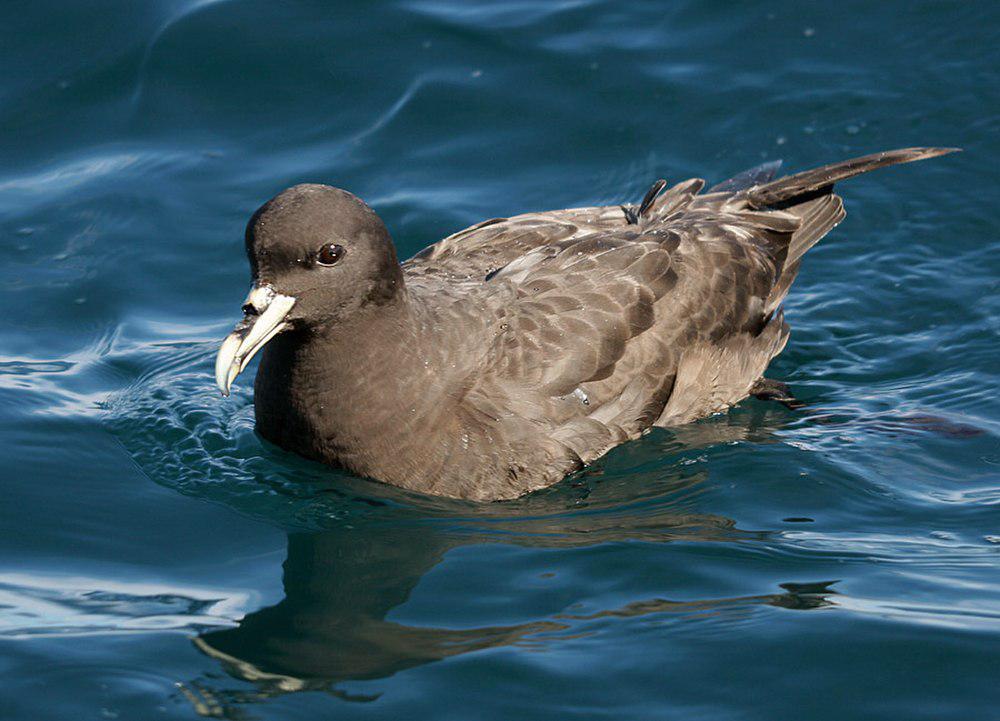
(330, 254)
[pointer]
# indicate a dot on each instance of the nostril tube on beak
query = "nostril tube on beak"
(258, 300)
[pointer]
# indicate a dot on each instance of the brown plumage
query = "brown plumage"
(514, 352)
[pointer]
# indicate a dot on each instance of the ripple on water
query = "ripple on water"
(183, 436)
(73, 606)
(668, 580)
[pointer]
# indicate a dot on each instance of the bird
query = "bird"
(513, 353)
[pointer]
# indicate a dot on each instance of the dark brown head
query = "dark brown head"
(318, 255)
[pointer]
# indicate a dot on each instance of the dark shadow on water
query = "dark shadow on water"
(341, 585)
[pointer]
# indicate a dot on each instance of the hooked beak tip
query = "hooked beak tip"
(227, 358)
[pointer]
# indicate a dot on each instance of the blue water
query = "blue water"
(159, 561)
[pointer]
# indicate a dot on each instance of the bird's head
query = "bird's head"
(317, 255)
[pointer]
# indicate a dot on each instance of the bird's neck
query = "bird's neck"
(389, 331)
(342, 386)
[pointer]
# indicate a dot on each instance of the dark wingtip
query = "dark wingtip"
(631, 217)
(923, 153)
(820, 180)
(654, 190)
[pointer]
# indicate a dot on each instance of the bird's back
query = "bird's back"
(589, 326)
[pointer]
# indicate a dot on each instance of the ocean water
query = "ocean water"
(159, 561)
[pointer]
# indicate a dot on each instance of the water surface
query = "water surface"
(159, 561)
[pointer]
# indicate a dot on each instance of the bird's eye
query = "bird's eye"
(330, 254)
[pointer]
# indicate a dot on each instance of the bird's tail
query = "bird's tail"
(809, 196)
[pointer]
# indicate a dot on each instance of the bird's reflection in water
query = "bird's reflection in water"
(340, 585)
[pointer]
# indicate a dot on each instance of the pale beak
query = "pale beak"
(266, 312)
